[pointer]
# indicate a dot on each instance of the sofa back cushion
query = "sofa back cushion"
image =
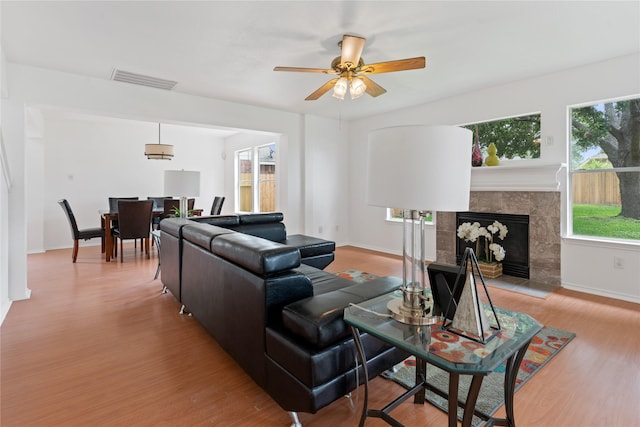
(202, 234)
(260, 256)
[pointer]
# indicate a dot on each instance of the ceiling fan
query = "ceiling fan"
(352, 71)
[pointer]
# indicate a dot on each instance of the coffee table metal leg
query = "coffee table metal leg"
(510, 376)
(472, 398)
(356, 339)
(454, 380)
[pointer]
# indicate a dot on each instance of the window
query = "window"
(515, 138)
(395, 214)
(605, 169)
(256, 181)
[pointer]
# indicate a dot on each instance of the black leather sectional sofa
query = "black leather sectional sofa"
(280, 319)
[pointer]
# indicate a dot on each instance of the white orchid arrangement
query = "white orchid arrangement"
(484, 235)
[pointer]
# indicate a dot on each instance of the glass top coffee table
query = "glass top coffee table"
(453, 353)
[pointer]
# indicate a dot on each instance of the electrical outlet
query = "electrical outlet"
(320, 230)
(618, 262)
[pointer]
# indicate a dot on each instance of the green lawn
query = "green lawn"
(596, 220)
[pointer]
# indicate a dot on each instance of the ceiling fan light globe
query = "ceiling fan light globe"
(357, 88)
(340, 88)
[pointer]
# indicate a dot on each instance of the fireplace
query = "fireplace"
(543, 210)
(515, 244)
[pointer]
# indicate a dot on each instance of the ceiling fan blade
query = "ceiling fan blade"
(373, 88)
(322, 90)
(306, 70)
(351, 50)
(390, 66)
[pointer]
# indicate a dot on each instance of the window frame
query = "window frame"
(574, 170)
(256, 178)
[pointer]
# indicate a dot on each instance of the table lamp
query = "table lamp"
(418, 169)
(183, 184)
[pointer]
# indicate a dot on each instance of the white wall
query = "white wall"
(326, 168)
(87, 159)
(31, 87)
(586, 267)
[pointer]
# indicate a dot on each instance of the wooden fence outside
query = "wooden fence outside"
(602, 188)
(267, 193)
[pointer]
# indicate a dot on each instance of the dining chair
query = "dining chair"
(113, 207)
(190, 205)
(216, 207)
(134, 222)
(77, 234)
(158, 204)
(170, 207)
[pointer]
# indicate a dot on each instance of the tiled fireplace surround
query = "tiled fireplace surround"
(543, 208)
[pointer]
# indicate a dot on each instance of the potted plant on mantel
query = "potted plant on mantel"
(488, 252)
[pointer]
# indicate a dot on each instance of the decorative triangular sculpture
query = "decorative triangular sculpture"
(469, 315)
(470, 320)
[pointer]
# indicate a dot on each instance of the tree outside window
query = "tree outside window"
(515, 138)
(605, 169)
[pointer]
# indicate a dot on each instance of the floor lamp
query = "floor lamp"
(184, 184)
(418, 169)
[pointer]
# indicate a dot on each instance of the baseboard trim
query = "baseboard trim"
(600, 292)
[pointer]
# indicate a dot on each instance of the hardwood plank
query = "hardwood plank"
(98, 344)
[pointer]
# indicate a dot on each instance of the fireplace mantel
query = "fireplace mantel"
(518, 175)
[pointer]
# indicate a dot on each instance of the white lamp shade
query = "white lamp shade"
(420, 167)
(182, 183)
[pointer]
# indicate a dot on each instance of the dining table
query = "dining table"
(107, 217)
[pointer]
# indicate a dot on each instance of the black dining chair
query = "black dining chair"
(77, 234)
(134, 222)
(170, 208)
(216, 207)
(158, 205)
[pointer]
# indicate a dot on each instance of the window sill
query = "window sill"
(602, 242)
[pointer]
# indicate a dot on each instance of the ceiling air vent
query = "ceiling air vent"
(140, 79)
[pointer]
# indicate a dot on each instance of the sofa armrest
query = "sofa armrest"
(319, 319)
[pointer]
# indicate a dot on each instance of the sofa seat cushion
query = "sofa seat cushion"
(310, 246)
(318, 320)
(315, 367)
(260, 256)
(322, 281)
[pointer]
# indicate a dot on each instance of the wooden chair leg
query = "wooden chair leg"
(121, 252)
(74, 254)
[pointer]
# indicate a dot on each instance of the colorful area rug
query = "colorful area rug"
(544, 346)
(356, 275)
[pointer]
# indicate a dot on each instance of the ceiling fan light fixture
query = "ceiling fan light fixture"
(340, 88)
(357, 88)
(158, 151)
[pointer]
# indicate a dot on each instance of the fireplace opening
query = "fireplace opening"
(515, 244)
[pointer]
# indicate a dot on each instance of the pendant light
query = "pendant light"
(158, 151)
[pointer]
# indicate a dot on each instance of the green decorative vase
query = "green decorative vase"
(492, 159)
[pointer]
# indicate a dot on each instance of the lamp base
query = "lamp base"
(183, 207)
(412, 308)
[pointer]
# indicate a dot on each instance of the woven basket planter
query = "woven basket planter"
(490, 270)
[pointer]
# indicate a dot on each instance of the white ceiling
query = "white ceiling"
(227, 50)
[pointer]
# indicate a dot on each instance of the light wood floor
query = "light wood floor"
(99, 345)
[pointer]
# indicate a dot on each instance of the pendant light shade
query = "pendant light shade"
(158, 151)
